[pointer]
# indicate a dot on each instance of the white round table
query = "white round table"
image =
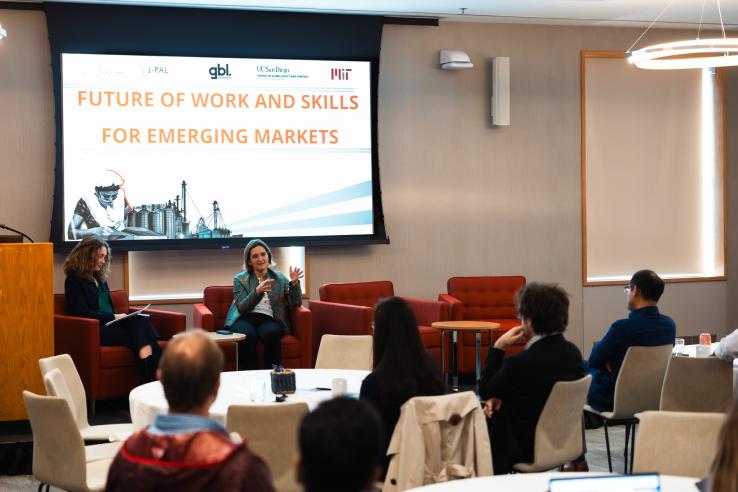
(238, 388)
(538, 482)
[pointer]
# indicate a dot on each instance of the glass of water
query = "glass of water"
(679, 346)
(256, 391)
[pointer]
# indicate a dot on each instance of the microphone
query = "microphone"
(3, 226)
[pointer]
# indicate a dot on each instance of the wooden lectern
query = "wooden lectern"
(26, 322)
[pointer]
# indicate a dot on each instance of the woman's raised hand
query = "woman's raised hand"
(295, 275)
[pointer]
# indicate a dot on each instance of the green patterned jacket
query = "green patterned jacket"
(282, 297)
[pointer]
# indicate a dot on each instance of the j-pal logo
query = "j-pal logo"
(340, 73)
(218, 72)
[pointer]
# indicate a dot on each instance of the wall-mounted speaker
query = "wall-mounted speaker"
(501, 91)
(454, 60)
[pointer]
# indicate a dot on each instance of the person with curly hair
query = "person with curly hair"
(87, 295)
(515, 389)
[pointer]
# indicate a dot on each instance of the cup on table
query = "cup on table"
(257, 391)
(679, 346)
(705, 339)
(338, 387)
(702, 350)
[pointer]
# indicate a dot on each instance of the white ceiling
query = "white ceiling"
(681, 13)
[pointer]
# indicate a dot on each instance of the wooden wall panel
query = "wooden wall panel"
(26, 322)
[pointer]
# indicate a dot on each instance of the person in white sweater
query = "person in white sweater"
(727, 349)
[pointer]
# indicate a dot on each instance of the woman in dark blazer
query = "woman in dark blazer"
(402, 367)
(516, 389)
(87, 295)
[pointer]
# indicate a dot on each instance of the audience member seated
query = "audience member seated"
(340, 447)
(727, 349)
(87, 295)
(262, 298)
(645, 327)
(402, 366)
(184, 450)
(723, 476)
(515, 389)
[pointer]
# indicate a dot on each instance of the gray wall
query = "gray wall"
(460, 197)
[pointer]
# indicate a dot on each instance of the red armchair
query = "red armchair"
(483, 299)
(347, 309)
(106, 372)
(210, 315)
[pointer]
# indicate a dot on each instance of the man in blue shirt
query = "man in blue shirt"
(184, 450)
(644, 327)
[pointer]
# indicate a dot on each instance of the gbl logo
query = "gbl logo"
(218, 72)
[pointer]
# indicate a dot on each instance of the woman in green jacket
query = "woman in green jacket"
(262, 298)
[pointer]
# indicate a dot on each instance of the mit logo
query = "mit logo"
(340, 73)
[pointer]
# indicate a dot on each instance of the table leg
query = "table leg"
(455, 362)
(478, 349)
(235, 344)
(444, 375)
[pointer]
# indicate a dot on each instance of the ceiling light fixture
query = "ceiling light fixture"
(693, 53)
(3, 33)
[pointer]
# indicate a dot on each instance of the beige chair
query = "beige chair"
(271, 432)
(637, 389)
(677, 443)
(95, 452)
(695, 384)
(559, 437)
(345, 352)
(59, 455)
(75, 396)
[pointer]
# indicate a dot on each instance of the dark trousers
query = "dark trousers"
(506, 449)
(134, 332)
(602, 390)
(258, 327)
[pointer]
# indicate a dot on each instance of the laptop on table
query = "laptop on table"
(646, 482)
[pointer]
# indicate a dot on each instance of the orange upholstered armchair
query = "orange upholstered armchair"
(483, 299)
(106, 372)
(347, 309)
(210, 315)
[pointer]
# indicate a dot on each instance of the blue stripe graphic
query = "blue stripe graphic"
(353, 218)
(349, 193)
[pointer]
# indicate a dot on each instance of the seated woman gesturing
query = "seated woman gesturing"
(262, 298)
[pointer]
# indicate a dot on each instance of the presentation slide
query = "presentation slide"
(164, 148)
